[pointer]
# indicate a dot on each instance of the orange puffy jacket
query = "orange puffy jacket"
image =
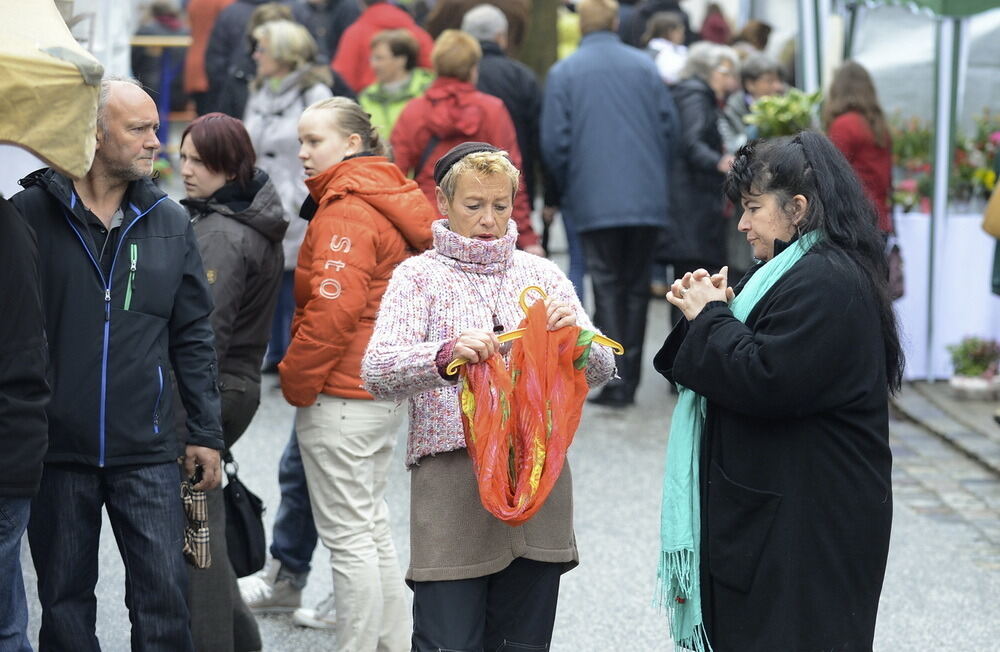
(370, 218)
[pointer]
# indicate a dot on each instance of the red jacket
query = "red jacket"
(871, 162)
(455, 112)
(370, 219)
(201, 16)
(354, 50)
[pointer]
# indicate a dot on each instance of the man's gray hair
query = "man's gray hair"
(704, 57)
(485, 22)
(757, 65)
(102, 98)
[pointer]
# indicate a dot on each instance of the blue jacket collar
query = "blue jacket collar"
(602, 36)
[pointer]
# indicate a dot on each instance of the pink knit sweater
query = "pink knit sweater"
(431, 299)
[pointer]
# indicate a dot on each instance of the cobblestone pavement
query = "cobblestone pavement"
(940, 590)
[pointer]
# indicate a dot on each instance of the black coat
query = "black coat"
(635, 25)
(515, 84)
(24, 391)
(114, 340)
(697, 229)
(327, 23)
(795, 471)
(239, 236)
(229, 62)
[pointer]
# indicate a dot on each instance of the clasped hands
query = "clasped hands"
(478, 345)
(696, 289)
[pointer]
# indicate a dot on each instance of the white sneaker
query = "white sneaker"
(324, 616)
(265, 592)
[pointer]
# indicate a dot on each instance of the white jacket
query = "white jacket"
(272, 119)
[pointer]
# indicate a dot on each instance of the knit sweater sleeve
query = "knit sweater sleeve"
(399, 361)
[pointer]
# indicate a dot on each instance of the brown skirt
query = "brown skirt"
(452, 537)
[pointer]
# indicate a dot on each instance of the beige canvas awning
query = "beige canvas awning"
(48, 86)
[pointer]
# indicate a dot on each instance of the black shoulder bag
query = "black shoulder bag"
(245, 539)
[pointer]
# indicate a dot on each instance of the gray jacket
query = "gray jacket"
(272, 119)
(239, 236)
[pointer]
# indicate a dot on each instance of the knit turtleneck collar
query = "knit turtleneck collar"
(470, 255)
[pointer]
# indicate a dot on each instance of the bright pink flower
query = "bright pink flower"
(995, 138)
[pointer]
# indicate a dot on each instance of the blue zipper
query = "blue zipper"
(106, 282)
(156, 407)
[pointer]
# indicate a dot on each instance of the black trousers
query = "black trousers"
(620, 263)
(514, 609)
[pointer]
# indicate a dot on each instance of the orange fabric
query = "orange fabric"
(519, 424)
(201, 17)
(370, 218)
(455, 112)
(354, 49)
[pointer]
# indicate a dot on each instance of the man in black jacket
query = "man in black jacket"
(23, 395)
(126, 303)
(511, 81)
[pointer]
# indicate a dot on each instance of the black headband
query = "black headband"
(456, 154)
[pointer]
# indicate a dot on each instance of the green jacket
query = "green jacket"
(385, 107)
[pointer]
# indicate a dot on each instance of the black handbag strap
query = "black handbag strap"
(229, 463)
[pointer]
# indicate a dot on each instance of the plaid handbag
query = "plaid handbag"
(196, 536)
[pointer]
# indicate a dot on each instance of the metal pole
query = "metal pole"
(853, 11)
(744, 12)
(807, 46)
(823, 10)
(950, 33)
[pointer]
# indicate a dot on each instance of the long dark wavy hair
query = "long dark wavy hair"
(810, 165)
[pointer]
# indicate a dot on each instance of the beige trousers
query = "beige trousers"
(346, 449)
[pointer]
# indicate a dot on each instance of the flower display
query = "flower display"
(972, 175)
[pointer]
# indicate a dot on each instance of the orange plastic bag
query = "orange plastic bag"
(519, 424)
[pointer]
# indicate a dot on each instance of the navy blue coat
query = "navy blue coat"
(608, 128)
(115, 339)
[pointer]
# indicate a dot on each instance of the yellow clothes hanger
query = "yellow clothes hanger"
(453, 366)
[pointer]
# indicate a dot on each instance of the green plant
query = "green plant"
(975, 356)
(783, 115)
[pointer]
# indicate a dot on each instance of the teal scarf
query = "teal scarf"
(678, 585)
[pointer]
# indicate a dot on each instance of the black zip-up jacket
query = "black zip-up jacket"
(23, 356)
(114, 340)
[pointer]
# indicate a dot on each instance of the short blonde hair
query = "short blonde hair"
(288, 43)
(596, 15)
(455, 54)
(480, 163)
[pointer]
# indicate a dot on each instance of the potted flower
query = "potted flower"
(975, 363)
(783, 115)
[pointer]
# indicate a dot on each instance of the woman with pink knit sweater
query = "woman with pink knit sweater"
(478, 583)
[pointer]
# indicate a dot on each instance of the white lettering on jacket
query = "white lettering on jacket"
(330, 288)
(340, 243)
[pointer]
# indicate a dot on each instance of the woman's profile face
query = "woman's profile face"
(322, 144)
(764, 220)
(267, 66)
(481, 207)
(199, 181)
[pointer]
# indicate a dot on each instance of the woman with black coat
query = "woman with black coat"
(695, 236)
(239, 222)
(791, 489)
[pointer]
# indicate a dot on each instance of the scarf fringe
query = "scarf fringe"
(676, 576)
(698, 642)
